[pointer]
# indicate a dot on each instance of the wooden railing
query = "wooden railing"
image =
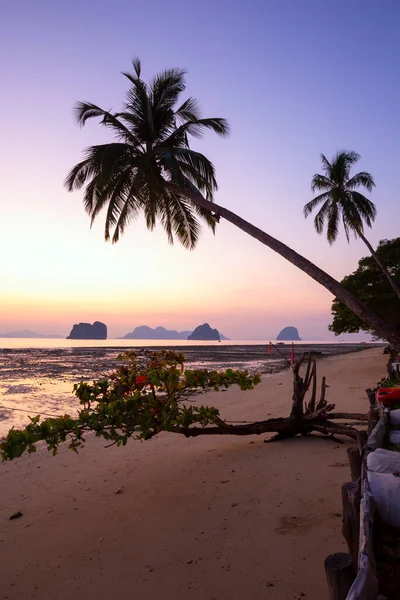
(352, 575)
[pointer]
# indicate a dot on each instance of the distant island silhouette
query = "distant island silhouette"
(144, 332)
(204, 332)
(26, 333)
(289, 334)
(86, 331)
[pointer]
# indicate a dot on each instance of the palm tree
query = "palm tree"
(341, 200)
(151, 169)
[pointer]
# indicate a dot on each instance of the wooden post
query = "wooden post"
(371, 397)
(353, 454)
(340, 574)
(351, 498)
(362, 438)
(373, 418)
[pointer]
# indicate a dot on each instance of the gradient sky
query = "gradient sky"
(293, 78)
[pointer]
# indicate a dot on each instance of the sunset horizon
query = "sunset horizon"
(64, 272)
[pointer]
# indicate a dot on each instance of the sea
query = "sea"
(37, 374)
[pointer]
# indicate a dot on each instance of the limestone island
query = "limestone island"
(289, 334)
(204, 332)
(86, 331)
(143, 332)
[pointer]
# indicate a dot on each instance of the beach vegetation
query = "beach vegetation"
(152, 392)
(147, 393)
(368, 283)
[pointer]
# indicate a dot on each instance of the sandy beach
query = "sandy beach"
(213, 518)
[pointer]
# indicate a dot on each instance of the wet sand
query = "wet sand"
(213, 518)
(40, 380)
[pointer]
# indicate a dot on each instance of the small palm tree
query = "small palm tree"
(341, 201)
(151, 169)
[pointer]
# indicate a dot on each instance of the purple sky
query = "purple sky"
(294, 79)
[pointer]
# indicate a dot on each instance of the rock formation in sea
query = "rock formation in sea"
(159, 333)
(86, 331)
(289, 334)
(204, 332)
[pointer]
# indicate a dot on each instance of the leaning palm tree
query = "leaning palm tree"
(341, 200)
(151, 169)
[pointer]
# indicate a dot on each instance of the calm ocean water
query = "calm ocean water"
(122, 343)
(37, 375)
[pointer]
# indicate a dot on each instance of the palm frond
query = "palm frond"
(326, 165)
(124, 203)
(365, 207)
(202, 184)
(196, 129)
(333, 224)
(137, 110)
(208, 217)
(347, 229)
(199, 163)
(103, 165)
(350, 157)
(362, 179)
(323, 213)
(188, 111)
(85, 110)
(341, 165)
(90, 197)
(183, 221)
(137, 66)
(309, 207)
(107, 192)
(79, 174)
(320, 182)
(165, 88)
(129, 212)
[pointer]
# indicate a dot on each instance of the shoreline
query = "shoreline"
(40, 380)
(210, 518)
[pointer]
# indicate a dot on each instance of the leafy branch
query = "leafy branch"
(145, 395)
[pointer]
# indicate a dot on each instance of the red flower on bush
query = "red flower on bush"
(141, 380)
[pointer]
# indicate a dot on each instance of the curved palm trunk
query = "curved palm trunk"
(381, 327)
(381, 265)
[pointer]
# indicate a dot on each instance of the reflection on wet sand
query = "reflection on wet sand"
(40, 380)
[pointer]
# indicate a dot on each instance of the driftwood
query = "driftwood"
(316, 415)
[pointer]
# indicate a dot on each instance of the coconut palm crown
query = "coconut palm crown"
(150, 162)
(340, 199)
